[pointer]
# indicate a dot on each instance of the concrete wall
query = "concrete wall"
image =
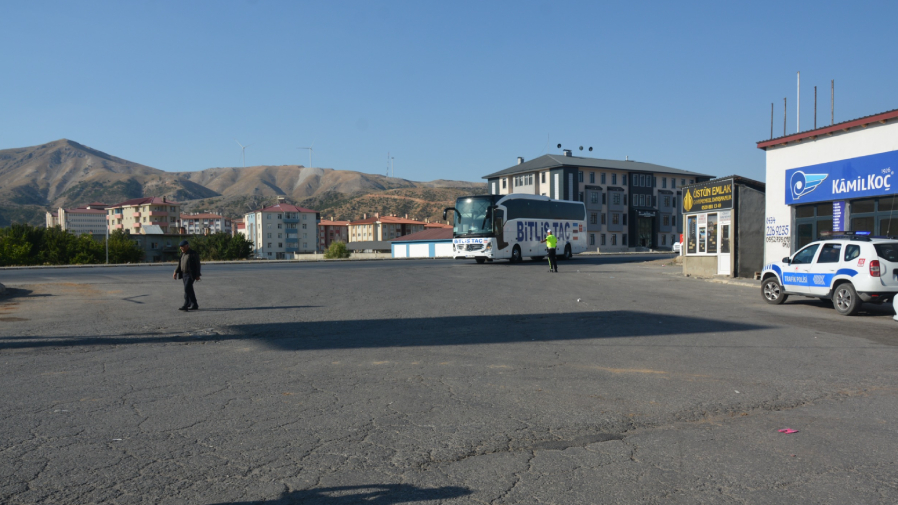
(700, 266)
(749, 232)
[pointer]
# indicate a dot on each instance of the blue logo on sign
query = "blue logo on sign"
(802, 183)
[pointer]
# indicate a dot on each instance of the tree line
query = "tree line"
(25, 245)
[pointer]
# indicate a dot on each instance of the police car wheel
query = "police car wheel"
(773, 291)
(480, 260)
(845, 300)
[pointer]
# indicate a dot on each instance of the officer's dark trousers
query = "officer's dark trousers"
(189, 295)
(553, 260)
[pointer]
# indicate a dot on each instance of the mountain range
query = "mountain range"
(66, 174)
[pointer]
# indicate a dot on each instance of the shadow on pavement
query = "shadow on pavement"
(413, 332)
(263, 308)
(376, 494)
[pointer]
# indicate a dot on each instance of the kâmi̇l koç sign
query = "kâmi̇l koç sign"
(708, 196)
(860, 177)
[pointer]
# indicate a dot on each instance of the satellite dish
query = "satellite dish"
(581, 148)
(559, 146)
(590, 148)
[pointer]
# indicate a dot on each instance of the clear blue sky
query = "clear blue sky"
(453, 90)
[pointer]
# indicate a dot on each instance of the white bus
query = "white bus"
(489, 227)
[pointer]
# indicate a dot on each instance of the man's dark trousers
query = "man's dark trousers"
(189, 295)
(553, 260)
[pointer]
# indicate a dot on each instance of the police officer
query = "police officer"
(551, 241)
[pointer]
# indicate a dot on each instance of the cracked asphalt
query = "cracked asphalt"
(438, 382)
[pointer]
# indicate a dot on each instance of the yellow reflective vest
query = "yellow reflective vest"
(551, 241)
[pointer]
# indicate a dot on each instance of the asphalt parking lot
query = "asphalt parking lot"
(438, 381)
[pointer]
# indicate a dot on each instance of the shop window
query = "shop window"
(862, 206)
(702, 237)
(691, 237)
(863, 224)
(712, 233)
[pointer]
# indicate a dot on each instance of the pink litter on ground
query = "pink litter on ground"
(788, 431)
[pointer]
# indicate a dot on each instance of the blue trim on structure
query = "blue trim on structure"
(432, 250)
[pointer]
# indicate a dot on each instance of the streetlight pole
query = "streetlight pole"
(107, 239)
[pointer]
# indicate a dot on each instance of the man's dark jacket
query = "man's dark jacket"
(193, 264)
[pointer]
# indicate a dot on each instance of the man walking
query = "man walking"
(189, 271)
(551, 241)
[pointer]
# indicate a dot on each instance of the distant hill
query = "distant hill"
(65, 173)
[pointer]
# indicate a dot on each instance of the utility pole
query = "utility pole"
(785, 111)
(107, 238)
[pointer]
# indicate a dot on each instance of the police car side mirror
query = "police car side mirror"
(787, 260)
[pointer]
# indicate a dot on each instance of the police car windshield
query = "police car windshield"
(473, 216)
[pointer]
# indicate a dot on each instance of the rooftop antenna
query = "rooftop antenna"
(243, 148)
(310, 153)
(392, 169)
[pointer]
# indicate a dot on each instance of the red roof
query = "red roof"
(429, 234)
(241, 226)
(438, 225)
(327, 222)
(150, 200)
(386, 220)
(202, 216)
(829, 130)
(286, 207)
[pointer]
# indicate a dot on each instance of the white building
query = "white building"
(629, 205)
(281, 231)
(203, 224)
(835, 178)
(90, 218)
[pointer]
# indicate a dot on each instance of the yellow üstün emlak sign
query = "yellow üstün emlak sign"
(708, 196)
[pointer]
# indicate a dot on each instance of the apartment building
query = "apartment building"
(384, 228)
(629, 204)
(283, 230)
(205, 224)
(134, 215)
(330, 231)
(90, 218)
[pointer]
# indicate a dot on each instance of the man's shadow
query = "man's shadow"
(375, 494)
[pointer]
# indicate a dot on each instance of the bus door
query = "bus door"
(499, 228)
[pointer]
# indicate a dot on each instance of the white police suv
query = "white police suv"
(849, 269)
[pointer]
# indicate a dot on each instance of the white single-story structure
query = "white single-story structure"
(831, 179)
(430, 243)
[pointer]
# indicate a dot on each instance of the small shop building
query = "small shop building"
(833, 179)
(430, 243)
(724, 233)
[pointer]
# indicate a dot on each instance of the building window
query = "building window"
(580, 195)
(603, 177)
(593, 197)
(614, 179)
(504, 183)
(615, 218)
(592, 177)
(603, 199)
(603, 239)
(580, 176)
(667, 200)
(304, 226)
(665, 220)
(691, 181)
(663, 239)
(682, 182)
(269, 235)
(616, 198)
(614, 239)
(603, 218)
(593, 218)
(267, 216)
(624, 241)
(592, 239)
(635, 180)
(664, 182)
(269, 245)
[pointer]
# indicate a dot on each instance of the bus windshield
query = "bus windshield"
(473, 216)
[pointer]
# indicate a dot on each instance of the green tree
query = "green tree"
(337, 250)
(122, 249)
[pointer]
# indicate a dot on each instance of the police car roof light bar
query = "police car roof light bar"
(851, 235)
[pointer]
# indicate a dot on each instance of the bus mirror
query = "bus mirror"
(446, 211)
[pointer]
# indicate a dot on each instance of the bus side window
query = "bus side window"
(498, 219)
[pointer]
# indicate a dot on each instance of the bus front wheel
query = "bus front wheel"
(516, 255)
(567, 252)
(480, 260)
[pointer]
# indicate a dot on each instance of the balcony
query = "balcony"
(292, 239)
(116, 226)
(157, 213)
(136, 225)
(136, 214)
